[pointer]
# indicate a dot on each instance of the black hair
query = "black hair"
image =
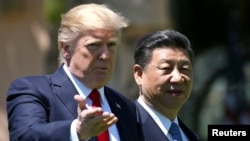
(159, 39)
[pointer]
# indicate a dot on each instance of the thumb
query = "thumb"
(80, 101)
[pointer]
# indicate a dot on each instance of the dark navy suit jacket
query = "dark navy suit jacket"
(152, 131)
(42, 108)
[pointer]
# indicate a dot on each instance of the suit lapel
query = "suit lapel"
(150, 129)
(189, 133)
(117, 107)
(93, 139)
(64, 90)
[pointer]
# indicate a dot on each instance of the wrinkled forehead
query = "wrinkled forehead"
(101, 34)
(170, 51)
(98, 36)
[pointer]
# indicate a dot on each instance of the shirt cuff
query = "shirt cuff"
(73, 133)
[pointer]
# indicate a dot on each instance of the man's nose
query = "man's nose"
(104, 52)
(176, 76)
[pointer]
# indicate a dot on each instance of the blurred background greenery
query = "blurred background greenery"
(218, 29)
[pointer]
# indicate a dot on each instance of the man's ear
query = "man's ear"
(65, 49)
(138, 74)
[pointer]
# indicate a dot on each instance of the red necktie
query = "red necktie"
(95, 97)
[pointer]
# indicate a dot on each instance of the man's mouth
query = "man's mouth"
(175, 92)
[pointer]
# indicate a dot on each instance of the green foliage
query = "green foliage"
(53, 10)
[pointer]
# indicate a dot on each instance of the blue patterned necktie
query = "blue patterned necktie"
(175, 132)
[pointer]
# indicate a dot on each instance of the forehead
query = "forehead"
(101, 33)
(170, 53)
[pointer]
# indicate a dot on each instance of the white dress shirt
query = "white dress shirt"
(163, 122)
(84, 92)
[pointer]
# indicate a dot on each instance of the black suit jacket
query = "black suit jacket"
(42, 108)
(152, 131)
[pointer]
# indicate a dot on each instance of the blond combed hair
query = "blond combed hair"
(89, 17)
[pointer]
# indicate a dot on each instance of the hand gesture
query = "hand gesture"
(92, 122)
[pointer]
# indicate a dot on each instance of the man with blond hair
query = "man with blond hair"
(73, 103)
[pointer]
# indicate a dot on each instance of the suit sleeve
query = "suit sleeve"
(28, 111)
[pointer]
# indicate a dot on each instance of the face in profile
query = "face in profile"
(166, 81)
(92, 58)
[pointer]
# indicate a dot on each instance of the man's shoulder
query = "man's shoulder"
(31, 79)
(113, 94)
(108, 90)
(29, 84)
(37, 78)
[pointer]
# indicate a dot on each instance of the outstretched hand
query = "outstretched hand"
(91, 122)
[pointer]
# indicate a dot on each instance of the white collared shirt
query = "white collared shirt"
(84, 92)
(163, 122)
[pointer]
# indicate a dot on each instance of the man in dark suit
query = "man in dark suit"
(163, 71)
(59, 106)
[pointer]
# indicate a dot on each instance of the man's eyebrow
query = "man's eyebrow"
(114, 39)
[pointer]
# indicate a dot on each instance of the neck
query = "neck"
(168, 112)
